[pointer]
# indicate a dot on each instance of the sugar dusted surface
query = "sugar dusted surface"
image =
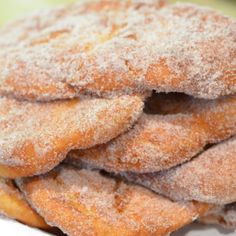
(6, 186)
(15, 206)
(159, 142)
(118, 47)
(209, 177)
(84, 202)
(34, 137)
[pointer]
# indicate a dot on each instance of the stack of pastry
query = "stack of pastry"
(119, 118)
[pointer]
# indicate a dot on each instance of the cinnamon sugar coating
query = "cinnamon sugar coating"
(108, 48)
(35, 137)
(84, 202)
(159, 142)
(13, 205)
(209, 177)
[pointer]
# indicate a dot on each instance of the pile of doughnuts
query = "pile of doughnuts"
(118, 118)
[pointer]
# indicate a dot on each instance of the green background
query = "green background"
(10, 9)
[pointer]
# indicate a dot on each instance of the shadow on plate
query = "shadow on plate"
(196, 229)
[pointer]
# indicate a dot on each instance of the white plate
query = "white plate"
(9, 227)
(13, 228)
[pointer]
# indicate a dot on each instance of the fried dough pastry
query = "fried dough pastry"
(13, 205)
(210, 177)
(84, 202)
(158, 142)
(35, 137)
(109, 48)
(222, 215)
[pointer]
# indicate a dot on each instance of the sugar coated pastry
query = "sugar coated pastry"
(13, 205)
(161, 141)
(118, 118)
(222, 215)
(108, 48)
(35, 137)
(84, 202)
(209, 177)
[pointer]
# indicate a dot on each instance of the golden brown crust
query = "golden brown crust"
(221, 215)
(83, 202)
(108, 48)
(158, 142)
(13, 205)
(35, 137)
(210, 177)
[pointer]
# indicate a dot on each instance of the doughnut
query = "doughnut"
(110, 48)
(85, 202)
(35, 137)
(209, 177)
(160, 141)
